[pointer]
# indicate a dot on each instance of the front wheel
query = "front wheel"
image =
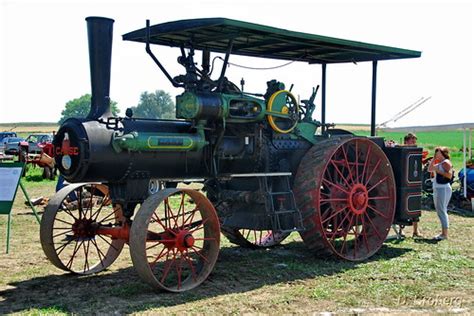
(174, 239)
(70, 229)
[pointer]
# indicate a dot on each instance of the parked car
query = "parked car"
(4, 135)
(36, 142)
(11, 145)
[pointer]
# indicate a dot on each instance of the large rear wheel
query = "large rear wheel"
(345, 189)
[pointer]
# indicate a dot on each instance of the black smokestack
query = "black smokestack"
(99, 32)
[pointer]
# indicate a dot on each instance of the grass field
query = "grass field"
(404, 277)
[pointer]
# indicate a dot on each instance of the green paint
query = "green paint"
(234, 108)
(307, 131)
(159, 142)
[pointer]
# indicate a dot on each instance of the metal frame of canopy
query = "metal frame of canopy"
(228, 36)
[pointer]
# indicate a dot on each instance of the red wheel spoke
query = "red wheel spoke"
(167, 266)
(340, 173)
(181, 207)
(62, 233)
(337, 186)
(189, 218)
(79, 201)
(207, 238)
(77, 246)
(108, 216)
(67, 211)
(378, 183)
(347, 163)
(105, 200)
(366, 162)
(379, 198)
(199, 254)
(60, 220)
(92, 195)
(160, 255)
(364, 234)
(345, 239)
(100, 254)
(373, 226)
(179, 270)
(157, 243)
(157, 220)
(355, 236)
(61, 248)
(339, 226)
(334, 200)
(373, 171)
(172, 214)
(357, 159)
(110, 244)
(193, 271)
(377, 211)
(334, 214)
(200, 226)
(86, 255)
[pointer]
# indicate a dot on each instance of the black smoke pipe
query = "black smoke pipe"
(99, 33)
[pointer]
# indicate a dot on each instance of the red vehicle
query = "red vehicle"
(37, 149)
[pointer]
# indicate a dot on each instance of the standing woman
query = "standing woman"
(442, 168)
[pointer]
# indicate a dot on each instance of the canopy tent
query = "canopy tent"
(228, 36)
(467, 152)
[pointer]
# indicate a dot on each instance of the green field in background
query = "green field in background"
(429, 141)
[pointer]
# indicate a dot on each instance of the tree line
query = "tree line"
(153, 105)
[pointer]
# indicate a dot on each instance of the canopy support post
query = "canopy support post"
(323, 99)
(374, 92)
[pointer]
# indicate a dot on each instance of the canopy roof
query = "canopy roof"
(256, 40)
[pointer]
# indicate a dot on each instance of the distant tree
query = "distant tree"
(81, 106)
(157, 104)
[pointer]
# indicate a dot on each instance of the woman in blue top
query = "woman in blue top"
(442, 187)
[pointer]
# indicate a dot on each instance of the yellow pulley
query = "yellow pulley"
(285, 108)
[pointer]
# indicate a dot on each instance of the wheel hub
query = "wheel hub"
(358, 199)
(84, 228)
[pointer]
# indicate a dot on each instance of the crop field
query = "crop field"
(408, 276)
(26, 128)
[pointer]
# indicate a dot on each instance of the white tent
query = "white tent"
(464, 126)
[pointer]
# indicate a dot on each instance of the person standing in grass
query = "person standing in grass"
(442, 190)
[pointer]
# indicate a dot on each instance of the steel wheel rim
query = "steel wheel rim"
(68, 229)
(356, 200)
(175, 247)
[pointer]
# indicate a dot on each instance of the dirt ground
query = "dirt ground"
(411, 276)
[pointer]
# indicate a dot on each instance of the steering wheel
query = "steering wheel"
(283, 111)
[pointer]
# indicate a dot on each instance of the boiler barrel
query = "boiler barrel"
(85, 152)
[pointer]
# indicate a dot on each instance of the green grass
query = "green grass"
(407, 276)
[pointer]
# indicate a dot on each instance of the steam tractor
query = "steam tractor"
(267, 167)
